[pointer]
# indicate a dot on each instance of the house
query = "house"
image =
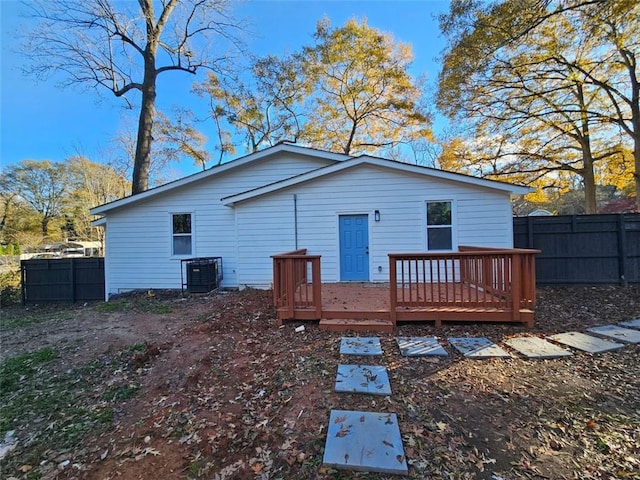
(353, 211)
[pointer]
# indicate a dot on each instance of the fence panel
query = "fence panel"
(62, 280)
(582, 249)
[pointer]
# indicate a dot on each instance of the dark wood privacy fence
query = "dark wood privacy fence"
(582, 249)
(62, 280)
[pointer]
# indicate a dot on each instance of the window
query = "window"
(439, 226)
(181, 241)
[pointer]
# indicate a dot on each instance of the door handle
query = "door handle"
(367, 249)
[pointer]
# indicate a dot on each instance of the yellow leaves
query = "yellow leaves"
(539, 196)
(364, 97)
(454, 155)
(559, 95)
(441, 426)
(618, 171)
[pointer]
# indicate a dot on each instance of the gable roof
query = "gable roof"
(217, 170)
(378, 162)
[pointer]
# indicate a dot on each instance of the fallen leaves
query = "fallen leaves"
(236, 397)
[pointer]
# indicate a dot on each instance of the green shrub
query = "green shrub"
(10, 288)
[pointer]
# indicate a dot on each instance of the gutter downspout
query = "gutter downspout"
(295, 220)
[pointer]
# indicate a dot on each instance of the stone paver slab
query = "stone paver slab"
(420, 347)
(622, 334)
(371, 379)
(360, 346)
(534, 347)
(477, 347)
(586, 343)
(364, 441)
(632, 323)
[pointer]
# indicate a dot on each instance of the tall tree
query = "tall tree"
(617, 24)
(524, 73)
(362, 96)
(108, 44)
(41, 184)
(349, 92)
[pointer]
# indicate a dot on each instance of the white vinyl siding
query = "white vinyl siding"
(139, 234)
(482, 217)
(138, 237)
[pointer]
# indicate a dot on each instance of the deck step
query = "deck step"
(355, 325)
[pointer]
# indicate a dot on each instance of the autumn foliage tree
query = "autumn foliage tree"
(42, 199)
(42, 185)
(549, 88)
(350, 92)
(362, 96)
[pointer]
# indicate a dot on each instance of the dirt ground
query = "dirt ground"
(222, 392)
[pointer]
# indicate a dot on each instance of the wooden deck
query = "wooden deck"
(476, 285)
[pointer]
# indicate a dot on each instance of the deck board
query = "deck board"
(371, 297)
(371, 301)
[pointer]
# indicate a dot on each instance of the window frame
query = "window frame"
(173, 235)
(452, 225)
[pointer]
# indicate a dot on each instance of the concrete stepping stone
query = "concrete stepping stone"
(586, 343)
(364, 441)
(371, 379)
(633, 323)
(360, 346)
(420, 347)
(534, 347)
(627, 335)
(477, 347)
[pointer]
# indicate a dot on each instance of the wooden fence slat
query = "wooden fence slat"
(582, 249)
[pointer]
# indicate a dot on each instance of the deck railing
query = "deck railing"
(472, 278)
(297, 284)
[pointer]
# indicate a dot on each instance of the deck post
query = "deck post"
(277, 268)
(317, 286)
(393, 290)
(516, 285)
(290, 287)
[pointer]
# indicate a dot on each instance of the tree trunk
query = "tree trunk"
(588, 178)
(142, 160)
(631, 63)
(45, 226)
(636, 174)
(347, 148)
(635, 122)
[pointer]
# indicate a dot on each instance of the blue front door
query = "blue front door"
(354, 248)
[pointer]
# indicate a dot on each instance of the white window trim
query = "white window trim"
(454, 223)
(193, 234)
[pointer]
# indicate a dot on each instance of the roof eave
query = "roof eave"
(236, 163)
(512, 189)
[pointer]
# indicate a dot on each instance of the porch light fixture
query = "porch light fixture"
(376, 215)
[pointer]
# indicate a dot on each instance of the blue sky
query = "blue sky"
(39, 120)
